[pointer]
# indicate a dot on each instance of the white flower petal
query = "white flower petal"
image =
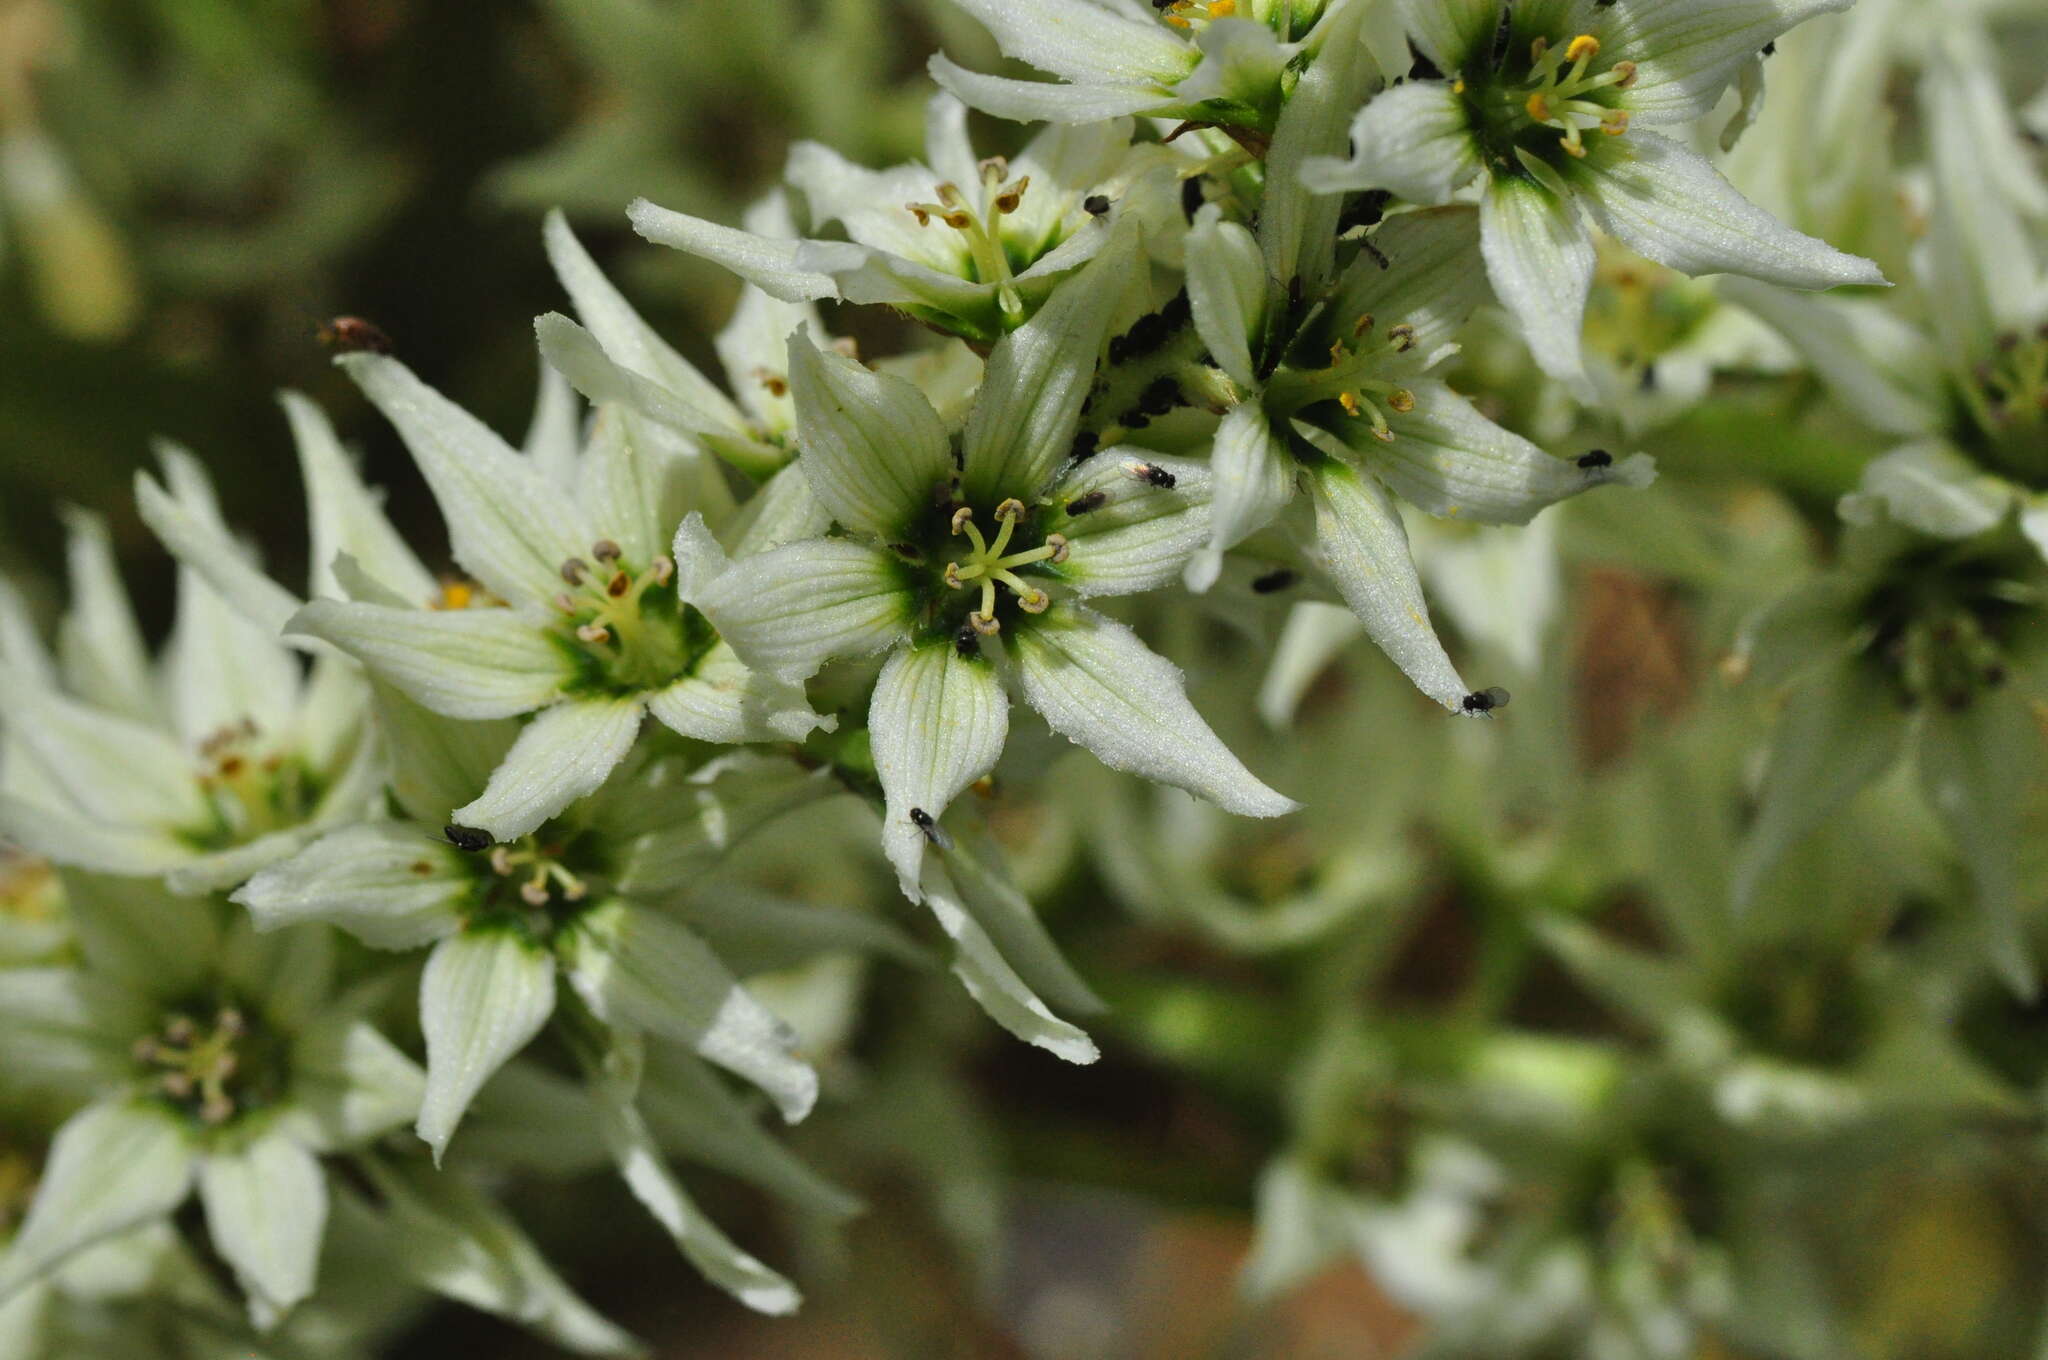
(626, 337)
(938, 722)
(578, 356)
(1539, 258)
(724, 700)
(1297, 224)
(112, 1167)
(205, 545)
(99, 645)
(554, 432)
(1414, 140)
(464, 663)
(768, 264)
(506, 525)
(693, 1112)
(1313, 636)
(1426, 282)
(1142, 536)
(1252, 480)
(351, 1084)
(1881, 367)
(637, 967)
(112, 768)
(872, 446)
(1100, 687)
(221, 669)
(1669, 204)
(86, 842)
(566, 752)
(1451, 32)
(344, 516)
(782, 510)
(266, 1211)
(1451, 461)
(1031, 101)
(975, 865)
(1931, 487)
(647, 1175)
(1365, 550)
(483, 996)
(1686, 51)
(1022, 425)
(793, 608)
(1228, 292)
(991, 981)
(1084, 42)
(393, 885)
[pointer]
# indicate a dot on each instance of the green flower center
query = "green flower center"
(211, 1062)
(994, 562)
(979, 221)
(1564, 89)
(1351, 379)
(535, 885)
(253, 786)
(2006, 398)
(626, 629)
(1638, 311)
(1936, 625)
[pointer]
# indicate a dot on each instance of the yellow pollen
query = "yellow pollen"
(1349, 401)
(1539, 107)
(455, 595)
(1582, 47)
(1220, 9)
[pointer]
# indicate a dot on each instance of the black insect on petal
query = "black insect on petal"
(1598, 458)
(1363, 210)
(1274, 581)
(926, 823)
(966, 641)
(1095, 205)
(1082, 505)
(1486, 700)
(468, 839)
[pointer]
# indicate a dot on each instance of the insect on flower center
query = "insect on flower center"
(992, 562)
(978, 218)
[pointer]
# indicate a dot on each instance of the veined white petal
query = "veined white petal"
(615, 483)
(266, 1211)
(464, 663)
(566, 752)
(343, 515)
(1977, 765)
(1426, 282)
(578, 356)
(647, 1175)
(1252, 479)
(483, 996)
(506, 525)
(1414, 140)
(938, 722)
(221, 870)
(626, 337)
(1450, 32)
(991, 981)
(782, 510)
(1084, 42)
(1686, 51)
(1102, 688)
(393, 885)
(754, 345)
(112, 1166)
(872, 446)
(636, 967)
(1031, 101)
(1365, 550)
(975, 866)
(1141, 536)
(113, 768)
(21, 641)
(1451, 461)
(99, 645)
(768, 264)
(1022, 425)
(435, 764)
(1931, 487)
(1228, 292)
(690, 1109)
(724, 700)
(1669, 204)
(1539, 258)
(554, 432)
(1841, 730)
(793, 608)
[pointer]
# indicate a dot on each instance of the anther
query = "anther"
(594, 632)
(663, 570)
(1401, 337)
(1034, 601)
(618, 585)
(1363, 324)
(1627, 71)
(501, 860)
(573, 571)
(1401, 401)
(1010, 511)
(1058, 544)
(1583, 48)
(533, 894)
(961, 518)
(984, 624)
(604, 550)
(952, 576)
(1008, 200)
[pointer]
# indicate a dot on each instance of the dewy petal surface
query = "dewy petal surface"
(872, 446)
(1414, 140)
(393, 885)
(464, 663)
(1100, 687)
(266, 1213)
(1539, 257)
(566, 752)
(793, 608)
(1252, 481)
(1686, 51)
(1087, 43)
(938, 722)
